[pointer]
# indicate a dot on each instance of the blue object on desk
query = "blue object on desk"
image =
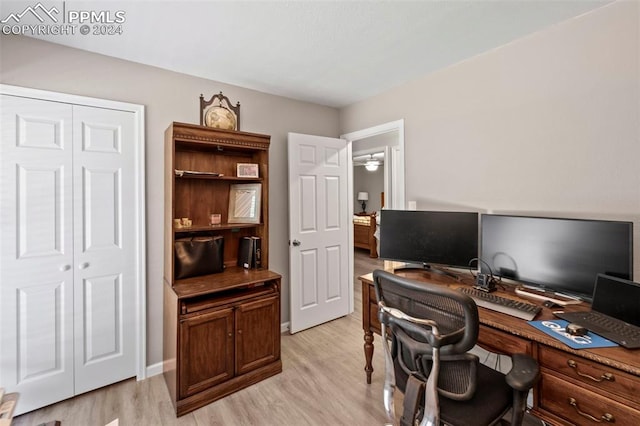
(556, 328)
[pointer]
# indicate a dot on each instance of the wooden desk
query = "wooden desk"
(583, 387)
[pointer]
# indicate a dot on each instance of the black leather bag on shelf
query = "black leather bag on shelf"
(198, 256)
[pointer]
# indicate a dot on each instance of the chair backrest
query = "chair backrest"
(456, 318)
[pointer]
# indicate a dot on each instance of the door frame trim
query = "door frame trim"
(140, 199)
(393, 174)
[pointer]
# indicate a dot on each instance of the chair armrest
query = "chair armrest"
(524, 372)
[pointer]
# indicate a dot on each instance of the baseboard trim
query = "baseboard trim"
(154, 370)
(284, 327)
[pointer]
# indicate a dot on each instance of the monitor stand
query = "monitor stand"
(428, 268)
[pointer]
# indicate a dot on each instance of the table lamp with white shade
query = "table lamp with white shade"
(363, 197)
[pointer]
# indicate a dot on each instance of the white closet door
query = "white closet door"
(36, 251)
(105, 286)
(68, 249)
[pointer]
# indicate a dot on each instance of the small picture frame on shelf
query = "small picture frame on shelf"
(247, 170)
(245, 203)
(215, 219)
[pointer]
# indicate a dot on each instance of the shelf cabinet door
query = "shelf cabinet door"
(257, 334)
(206, 351)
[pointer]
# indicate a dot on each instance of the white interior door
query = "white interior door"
(319, 229)
(69, 249)
(105, 290)
(36, 251)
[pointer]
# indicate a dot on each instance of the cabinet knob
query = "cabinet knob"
(83, 265)
(239, 331)
(64, 268)
(230, 334)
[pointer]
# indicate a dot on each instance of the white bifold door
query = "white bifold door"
(67, 249)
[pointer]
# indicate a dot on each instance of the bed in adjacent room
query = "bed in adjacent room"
(364, 227)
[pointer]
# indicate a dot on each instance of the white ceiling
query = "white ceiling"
(332, 53)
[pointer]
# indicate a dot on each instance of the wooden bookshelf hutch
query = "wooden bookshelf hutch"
(221, 331)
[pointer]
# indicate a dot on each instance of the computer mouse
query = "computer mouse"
(576, 329)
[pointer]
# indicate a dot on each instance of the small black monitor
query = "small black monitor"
(556, 254)
(429, 237)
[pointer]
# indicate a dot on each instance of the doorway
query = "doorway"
(387, 138)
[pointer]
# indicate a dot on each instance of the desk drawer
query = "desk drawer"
(601, 377)
(581, 406)
(502, 342)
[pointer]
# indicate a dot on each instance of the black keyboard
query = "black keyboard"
(624, 334)
(612, 325)
(523, 310)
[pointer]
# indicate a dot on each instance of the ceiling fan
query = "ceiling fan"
(369, 161)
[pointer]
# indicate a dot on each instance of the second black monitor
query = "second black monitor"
(429, 237)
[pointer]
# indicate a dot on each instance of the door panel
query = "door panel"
(36, 255)
(102, 335)
(41, 319)
(101, 227)
(334, 272)
(332, 186)
(105, 247)
(308, 285)
(318, 203)
(257, 340)
(308, 207)
(206, 351)
(40, 211)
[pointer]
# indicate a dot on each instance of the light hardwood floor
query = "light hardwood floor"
(323, 383)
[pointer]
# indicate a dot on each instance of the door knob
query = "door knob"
(84, 265)
(296, 243)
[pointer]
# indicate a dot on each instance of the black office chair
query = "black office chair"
(431, 329)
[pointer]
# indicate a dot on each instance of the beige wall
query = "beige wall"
(371, 182)
(549, 124)
(168, 97)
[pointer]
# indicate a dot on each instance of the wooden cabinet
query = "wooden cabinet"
(221, 331)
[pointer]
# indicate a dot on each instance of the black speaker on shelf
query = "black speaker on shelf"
(250, 252)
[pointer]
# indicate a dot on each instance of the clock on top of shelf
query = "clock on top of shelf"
(221, 115)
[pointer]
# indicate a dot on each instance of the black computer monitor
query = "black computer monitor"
(429, 237)
(556, 254)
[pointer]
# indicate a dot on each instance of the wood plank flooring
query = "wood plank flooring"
(323, 382)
